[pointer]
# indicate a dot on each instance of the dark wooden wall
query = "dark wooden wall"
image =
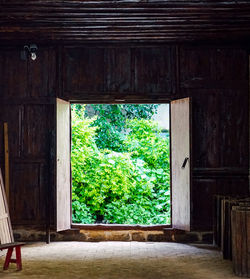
(216, 77)
(26, 92)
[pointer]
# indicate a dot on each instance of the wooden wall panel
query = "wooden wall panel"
(13, 115)
(196, 67)
(83, 71)
(35, 127)
(29, 142)
(215, 77)
(25, 192)
(118, 63)
(205, 129)
(15, 82)
(27, 79)
(29, 126)
(43, 74)
(220, 118)
(202, 196)
(233, 130)
(213, 68)
(1, 133)
(203, 191)
(154, 70)
(26, 104)
(118, 72)
(2, 70)
(231, 64)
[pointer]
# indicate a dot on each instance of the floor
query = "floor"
(120, 260)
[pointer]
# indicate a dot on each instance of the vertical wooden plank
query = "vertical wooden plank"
(63, 180)
(41, 73)
(233, 116)
(196, 69)
(7, 166)
(35, 125)
(231, 69)
(206, 134)
(248, 241)
(236, 240)
(118, 70)
(180, 150)
(83, 71)
(244, 243)
(27, 202)
(240, 238)
(13, 115)
(226, 228)
(222, 223)
(14, 75)
(217, 219)
(154, 70)
(249, 124)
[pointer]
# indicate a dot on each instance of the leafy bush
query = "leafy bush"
(126, 183)
(111, 122)
(81, 213)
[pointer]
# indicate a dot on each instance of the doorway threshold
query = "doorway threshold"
(120, 227)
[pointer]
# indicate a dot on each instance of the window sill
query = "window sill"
(120, 227)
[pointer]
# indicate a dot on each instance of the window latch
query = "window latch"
(184, 163)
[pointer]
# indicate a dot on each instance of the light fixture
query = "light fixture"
(29, 51)
(33, 55)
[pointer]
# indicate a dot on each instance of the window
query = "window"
(180, 164)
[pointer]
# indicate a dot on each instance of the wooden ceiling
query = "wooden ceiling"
(123, 21)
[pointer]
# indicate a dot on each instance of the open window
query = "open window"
(181, 163)
(63, 177)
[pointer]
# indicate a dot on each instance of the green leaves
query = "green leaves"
(120, 165)
(81, 213)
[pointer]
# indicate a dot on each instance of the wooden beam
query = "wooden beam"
(7, 166)
(129, 21)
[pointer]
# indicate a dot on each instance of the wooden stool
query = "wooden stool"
(8, 259)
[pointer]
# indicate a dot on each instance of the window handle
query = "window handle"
(184, 163)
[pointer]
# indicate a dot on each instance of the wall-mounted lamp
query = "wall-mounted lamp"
(29, 51)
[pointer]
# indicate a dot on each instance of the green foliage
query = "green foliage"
(111, 122)
(146, 142)
(126, 182)
(81, 213)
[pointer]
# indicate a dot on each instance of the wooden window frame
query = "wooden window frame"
(126, 226)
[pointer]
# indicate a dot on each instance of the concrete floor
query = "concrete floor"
(120, 260)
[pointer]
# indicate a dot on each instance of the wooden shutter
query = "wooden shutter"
(6, 233)
(180, 163)
(63, 177)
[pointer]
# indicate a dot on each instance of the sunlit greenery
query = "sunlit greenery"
(120, 165)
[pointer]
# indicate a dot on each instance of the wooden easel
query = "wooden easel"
(6, 233)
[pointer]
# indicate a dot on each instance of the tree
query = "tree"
(111, 122)
(125, 182)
